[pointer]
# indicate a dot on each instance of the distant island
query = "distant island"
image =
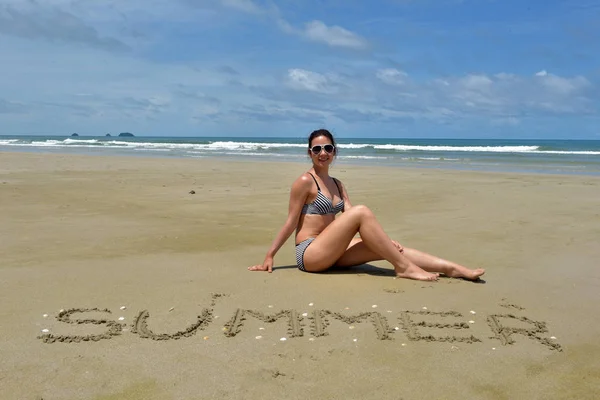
(126, 134)
(75, 134)
(108, 134)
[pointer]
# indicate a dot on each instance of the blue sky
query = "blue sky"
(379, 68)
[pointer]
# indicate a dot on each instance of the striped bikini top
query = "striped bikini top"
(322, 205)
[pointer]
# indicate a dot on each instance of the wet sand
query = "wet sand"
(90, 235)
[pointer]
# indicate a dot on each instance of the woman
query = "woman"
(324, 241)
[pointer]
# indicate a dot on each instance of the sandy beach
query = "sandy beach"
(143, 289)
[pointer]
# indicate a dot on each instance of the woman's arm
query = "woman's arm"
(345, 197)
(298, 194)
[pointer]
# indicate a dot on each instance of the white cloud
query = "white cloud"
(562, 85)
(506, 121)
(53, 24)
(476, 82)
(391, 76)
(541, 73)
(335, 36)
(242, 5)
(302, 79)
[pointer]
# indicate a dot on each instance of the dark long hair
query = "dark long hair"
(322, 132)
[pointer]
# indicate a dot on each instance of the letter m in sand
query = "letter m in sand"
(320, 321)
(234, 326)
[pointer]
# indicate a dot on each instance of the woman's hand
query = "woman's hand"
(267, 265)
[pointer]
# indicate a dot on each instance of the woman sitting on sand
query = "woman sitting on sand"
(324, 241)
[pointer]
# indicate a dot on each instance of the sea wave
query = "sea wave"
(273, 147)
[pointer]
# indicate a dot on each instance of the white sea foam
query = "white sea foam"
(353, 146)
(271, 147)
(365, 157)
(251, 145)
(493, 149)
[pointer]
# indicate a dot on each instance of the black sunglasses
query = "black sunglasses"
(317, 149)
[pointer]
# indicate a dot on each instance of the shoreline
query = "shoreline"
(508, 169)
(104, 238)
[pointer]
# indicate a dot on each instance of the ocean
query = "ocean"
(580, 157)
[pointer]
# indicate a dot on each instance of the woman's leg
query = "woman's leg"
(332, 243)
(358, 253)
(435, 264)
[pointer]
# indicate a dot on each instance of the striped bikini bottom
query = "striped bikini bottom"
(300, 249)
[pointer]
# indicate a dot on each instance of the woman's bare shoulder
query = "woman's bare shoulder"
(303, 182)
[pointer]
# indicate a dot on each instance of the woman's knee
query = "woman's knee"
(362, 210)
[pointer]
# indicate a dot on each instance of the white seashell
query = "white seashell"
(471, 322)
(61, 310)
(347, 308)
(493, 348)
(374, 306)
(553, 337)
(424, 308)
(171, 309)
(261, 329)
(258, 337)
(472, 312)
(312, 339)
(121, 318)
(216, 316)
(396, 328)
(270, 306)
(351, 327)
(283, 339)
(403, 344)
(305, 314)
(45, 315)
(122, 307)
(310, 304)
(356, 340)
(45, 330)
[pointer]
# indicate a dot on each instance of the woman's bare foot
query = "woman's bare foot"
(466, 273)
(414, 272)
